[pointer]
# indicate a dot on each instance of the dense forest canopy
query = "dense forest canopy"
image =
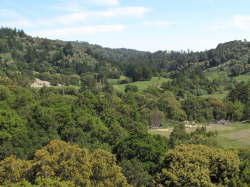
(86, 133)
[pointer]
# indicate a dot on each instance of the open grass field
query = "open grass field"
(235, 135)
(245, 78)
(142, 85)
(114, 81)
(217, 95)
(76, 87)
(216, 74)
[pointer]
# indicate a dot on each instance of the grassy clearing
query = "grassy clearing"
(142, 85)
(217, 95)
(114, 81)
(234, 135)
(76, 87)
(59, 87)
(245, 78)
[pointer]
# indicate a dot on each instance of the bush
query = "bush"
(201, 92)
(197, 165)
(131, 88)
(123, 81)
(141, 145)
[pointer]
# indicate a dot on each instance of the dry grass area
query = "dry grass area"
(167, 131)
(39, 83)
(235, 135)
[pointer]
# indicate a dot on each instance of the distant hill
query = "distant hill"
(20, 52)
(119, 54)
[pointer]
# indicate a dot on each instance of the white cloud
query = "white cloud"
(19, 24)
(105, 2)
(76, 6)
(238, 21)
(114, 12)
(56, 33)
(242, 22)
(9, 14)
(158, 24)
(71, 7)
(72, 18)
(44, 22)
(126, 11)
(213, 28)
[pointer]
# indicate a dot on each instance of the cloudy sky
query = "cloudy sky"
(144, 25)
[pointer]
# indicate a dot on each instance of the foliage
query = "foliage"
(60, 161)
(10, 122)
(157, 117)
(178, 135)
(132, 88)
(199, 137)
(24, 53)
(123, 81)
(197, 165)
(134, 172)
(141, 145)
(239, 93)
(171, 107)
(197, 109)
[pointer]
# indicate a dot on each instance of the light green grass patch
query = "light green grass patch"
(229, 136)
(217, 95)
(114, 81)
(59, 87)
(35, 72)
(142, 85)
(245, 78)
(75, 75)
(162, 133)
(76, 87)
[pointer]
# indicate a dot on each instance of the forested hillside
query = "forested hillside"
(120, 55)
(97, 136)
(20, 52)
(236, 53)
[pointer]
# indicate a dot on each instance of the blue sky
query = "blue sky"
(144, 25)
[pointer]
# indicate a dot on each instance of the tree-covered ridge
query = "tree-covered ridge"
(20, 52)
(119, 54)
(167, 61)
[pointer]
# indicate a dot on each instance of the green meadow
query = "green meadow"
(229, 136)
(217, 95)
(245, 78)
(142, 85)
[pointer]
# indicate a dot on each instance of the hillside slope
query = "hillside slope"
(20, 52)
